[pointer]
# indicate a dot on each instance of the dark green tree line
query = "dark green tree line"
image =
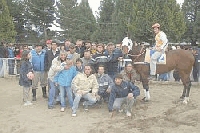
(7, 29)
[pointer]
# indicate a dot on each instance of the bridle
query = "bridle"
(142, 52)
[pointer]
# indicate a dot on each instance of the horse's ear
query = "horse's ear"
(135, 44)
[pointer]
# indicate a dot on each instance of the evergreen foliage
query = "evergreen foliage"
(7, 29)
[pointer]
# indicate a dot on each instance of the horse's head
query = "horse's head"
(137, 52)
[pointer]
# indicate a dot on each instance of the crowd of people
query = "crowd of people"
(84, 71)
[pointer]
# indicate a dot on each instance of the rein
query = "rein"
(142, 51)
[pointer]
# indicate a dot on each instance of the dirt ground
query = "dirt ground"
(163, 114)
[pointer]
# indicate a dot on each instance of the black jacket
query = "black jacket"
(120, 91)
(49, 56)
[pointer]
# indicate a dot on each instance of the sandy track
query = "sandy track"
(163, 114)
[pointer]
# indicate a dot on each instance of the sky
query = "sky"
(94, 4)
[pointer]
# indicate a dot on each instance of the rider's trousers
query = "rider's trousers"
(153, 61)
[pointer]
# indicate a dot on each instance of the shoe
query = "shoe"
(45, 96)
(85, 106)
(73, 114)
(34, 98)
(27, 103)
(128, 114)
(62, 109)
(50, 107)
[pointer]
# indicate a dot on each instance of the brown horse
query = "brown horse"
(181, 60)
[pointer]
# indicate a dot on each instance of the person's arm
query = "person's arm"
(23, 71)
(110, 84)
(74, 84)
(134, 89)
(46, 63)
(55, 66)
(164, 39)
(111, 100)
(95, 85)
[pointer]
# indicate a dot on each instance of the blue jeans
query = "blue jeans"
(63, 91)
(88, 96)
(53, 92)
(124, 100)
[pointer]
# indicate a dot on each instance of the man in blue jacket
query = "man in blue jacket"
(122, 92)
(37, 60)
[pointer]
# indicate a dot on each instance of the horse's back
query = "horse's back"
(181, 54)
(183, 59)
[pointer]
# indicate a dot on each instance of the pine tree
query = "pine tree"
(191, 9)
(167, 13)
(40, 13)
(122, 16)
(77, 19)
(7, 30)
(17, 9)
(106, 28)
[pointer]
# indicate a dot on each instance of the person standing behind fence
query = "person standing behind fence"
(25, 80)
(37, 60)
(11, 62)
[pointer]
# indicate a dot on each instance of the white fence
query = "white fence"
(9, 67)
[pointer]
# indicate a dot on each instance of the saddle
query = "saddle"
(160, 60)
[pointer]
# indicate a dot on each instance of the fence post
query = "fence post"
(5, 72)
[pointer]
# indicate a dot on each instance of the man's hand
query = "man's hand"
(130, 95)
(108, 90)
(158, 49)
(80, 92)
(120, 58)
(56, 84)
(66, 67)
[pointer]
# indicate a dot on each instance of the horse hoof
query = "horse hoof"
(186, 100)
(145, 99)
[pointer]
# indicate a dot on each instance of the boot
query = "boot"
(34, 94)
(44, 92)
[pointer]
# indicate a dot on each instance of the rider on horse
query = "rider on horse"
(160, 47)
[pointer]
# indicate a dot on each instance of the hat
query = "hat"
(119, 76)
(48, 41)
(72, 45)
(156, 25)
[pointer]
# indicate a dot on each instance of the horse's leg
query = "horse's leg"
(185, 78)
(188, 86)
(145, 87)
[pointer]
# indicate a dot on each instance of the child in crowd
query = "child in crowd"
(26, 76)
(64, 79)
(79, 65)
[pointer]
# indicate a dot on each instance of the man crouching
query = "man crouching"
(122, 92)
(84, 86)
